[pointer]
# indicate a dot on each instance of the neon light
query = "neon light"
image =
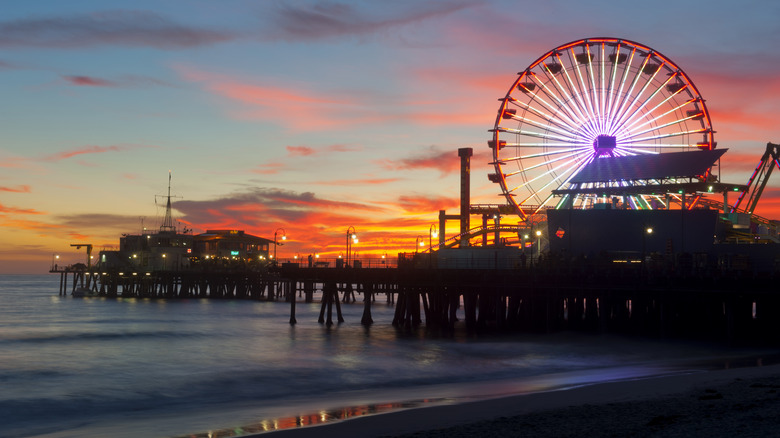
(567, 102)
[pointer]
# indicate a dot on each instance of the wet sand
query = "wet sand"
(733, 402)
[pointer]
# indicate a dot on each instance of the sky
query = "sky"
(313, 116)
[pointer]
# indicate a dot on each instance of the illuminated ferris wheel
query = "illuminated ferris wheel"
(591, 99)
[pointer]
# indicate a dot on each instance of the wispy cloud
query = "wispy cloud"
(332, 19)
(445, 161)
(356, 182)
(270, 168)
(4, 210)
(17, 189)
(305, 151)
(89, 81)
(110, 28)
(93, 149)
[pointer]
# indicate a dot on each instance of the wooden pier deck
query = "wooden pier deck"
(615, 298)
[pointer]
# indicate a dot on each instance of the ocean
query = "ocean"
(94, 367)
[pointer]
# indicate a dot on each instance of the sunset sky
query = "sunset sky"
(313, 116)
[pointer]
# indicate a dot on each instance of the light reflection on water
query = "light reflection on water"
(133, 366)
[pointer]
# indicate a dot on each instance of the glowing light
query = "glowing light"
(587, 99)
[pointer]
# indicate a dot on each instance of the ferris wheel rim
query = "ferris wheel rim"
(557, 118)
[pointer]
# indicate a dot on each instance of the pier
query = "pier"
(554, 295)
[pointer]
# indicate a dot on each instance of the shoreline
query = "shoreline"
(717, 401)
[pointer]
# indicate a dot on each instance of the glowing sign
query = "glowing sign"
(234, 253)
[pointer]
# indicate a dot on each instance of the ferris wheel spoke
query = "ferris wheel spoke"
(629, 97)
(544, 154)
(613, 77)
(557, 179)
(621, 97)
(582, 87)
(564, 91)
(580, 104)
(660, 116)
(548, 162)
(537, 134)
(673, 134)
(542, 175)
(561, 108)
(625, 119)
(560, 126)
(665, 125)
(548, 105)
(644, 103)
(632, 138)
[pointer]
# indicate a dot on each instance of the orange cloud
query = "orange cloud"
(13, 210)
(353, 182)
(419, 204)
(17, 189)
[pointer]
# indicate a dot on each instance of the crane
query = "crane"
(89, 251)
(760, 176)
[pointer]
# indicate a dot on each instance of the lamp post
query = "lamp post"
(538, 245)
(351, 240)
(648, 230)
(54, 258)
(418, 243)
(432, 232)
(276, 242)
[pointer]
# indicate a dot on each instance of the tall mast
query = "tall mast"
(168, 220)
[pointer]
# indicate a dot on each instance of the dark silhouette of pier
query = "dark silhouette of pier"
(583, 295)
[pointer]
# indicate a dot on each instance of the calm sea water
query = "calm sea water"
(139, 367)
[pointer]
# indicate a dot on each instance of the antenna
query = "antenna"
(167, 224)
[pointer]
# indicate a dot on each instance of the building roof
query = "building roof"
(643, 167)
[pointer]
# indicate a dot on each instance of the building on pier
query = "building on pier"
(232, 245)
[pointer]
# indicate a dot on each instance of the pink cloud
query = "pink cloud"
(339, 108)
(445, 161)
(300, 151)
(89, 81)
(269, 168)
(352, 182)
(89, 150)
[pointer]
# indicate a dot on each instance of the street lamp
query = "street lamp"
(54, 258)
(432, 233)
(647, 231)
(276, 242)
(418, 243)
(538, 244)
(351, 240)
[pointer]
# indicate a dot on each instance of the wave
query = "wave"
(81, 336)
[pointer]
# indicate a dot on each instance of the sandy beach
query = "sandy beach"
(731, 402)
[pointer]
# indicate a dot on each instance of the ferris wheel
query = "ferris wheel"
(591, 99)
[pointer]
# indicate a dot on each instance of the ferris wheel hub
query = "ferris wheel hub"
(605, 145)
